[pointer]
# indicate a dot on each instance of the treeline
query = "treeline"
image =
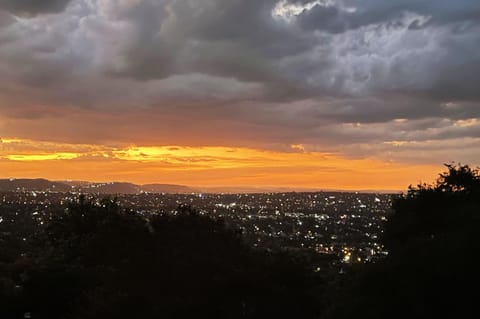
(433, 239)
(99, 260)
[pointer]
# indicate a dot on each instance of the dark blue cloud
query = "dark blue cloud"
(349, 14)
(32, 7)
(293, 78)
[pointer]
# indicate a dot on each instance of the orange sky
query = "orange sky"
(186, 92)
(205, 166)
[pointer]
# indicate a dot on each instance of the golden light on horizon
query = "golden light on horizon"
(41, 157)
(205, 166)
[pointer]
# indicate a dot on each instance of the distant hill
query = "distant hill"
(39, 185)
(76, 183)
(129, 188)
(168, 188)
(43, 185)
(243, 190)
(110, 188)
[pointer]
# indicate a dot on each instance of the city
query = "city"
(239, 159)
(345, 226)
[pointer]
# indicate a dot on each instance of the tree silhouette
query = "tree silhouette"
(433, 244)
(94, 259)
(459, 178)
(427, 211)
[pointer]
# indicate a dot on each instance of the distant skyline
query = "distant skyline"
(323, 94)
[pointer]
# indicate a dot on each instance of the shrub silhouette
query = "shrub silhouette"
(98, 260)
(433, 244)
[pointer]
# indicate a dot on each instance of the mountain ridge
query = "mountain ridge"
(45, 185)
(111, 188)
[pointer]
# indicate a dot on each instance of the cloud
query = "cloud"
(33, 7)
(154, 40)
(330, 74)
(203, 166)
(343, 15)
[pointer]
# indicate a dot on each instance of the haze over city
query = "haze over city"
(324, 94)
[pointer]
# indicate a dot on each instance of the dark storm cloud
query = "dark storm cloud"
(349, 14)
(5, 19)
(293, 71)
(32, 7)
(381, 109)
(222, 38)
(150, 39)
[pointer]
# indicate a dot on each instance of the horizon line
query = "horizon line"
(237, 189)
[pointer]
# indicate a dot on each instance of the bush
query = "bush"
(431, 270)
(97, 260)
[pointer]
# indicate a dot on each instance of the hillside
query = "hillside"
(43, 185)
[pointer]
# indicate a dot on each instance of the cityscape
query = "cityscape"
(239, 159)
(345, 226)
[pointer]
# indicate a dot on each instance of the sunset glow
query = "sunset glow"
(204, 166)
(279, 93)
(238, 158)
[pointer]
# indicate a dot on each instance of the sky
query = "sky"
(323, 94)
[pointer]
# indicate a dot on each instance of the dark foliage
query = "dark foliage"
(431, 270)
(97, 260)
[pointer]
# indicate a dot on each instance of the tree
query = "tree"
(459, 178)
(433, 244)
(429, 211)
(95, 259)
